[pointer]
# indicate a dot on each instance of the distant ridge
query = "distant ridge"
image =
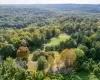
(93, 8)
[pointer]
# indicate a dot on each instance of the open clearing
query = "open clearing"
(55, 41)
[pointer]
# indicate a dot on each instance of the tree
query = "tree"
(42, 63)
(79, 58)
(89, 65)
(38, 38)
(79, 53)
(92, 53)
(3, 44)
(86, 41)
(22, 52)
(47, 78)
(8, 50)
(57, 32)
(93, 77)
(97, 47)
(68, 56)
(9, 70)
(36, 55)
(70, 43)
(96, 70)
(2, 39)
(51, 62)
(83, 47)
(48, 34)
(72, 76)
(93, 37)
(58, 61)
(15, 40)
(23, 43)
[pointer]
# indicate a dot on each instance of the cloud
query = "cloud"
(49, 1)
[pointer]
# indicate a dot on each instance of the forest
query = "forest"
(50, 42)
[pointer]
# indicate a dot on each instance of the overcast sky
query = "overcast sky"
(49, 1)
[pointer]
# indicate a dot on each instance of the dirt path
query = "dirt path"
(32, 65)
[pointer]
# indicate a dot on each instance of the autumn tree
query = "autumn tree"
(68, 56)
(51, 61)
(22, 52)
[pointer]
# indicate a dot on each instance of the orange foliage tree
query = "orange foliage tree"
(22, 52)
(68, 56)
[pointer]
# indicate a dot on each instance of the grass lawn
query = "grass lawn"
(55, 41)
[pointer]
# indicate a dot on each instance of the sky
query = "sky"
(49, 1)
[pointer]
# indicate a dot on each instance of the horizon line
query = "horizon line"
(49, 3)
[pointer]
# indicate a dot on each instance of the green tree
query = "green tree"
(15, 40)
(83, 47)
(92, 77)
(57, 32)
(79, 53)
(92, 53)
(9, 70)
(89, 65)
(42, 63)
(8, 50)
(97, 47)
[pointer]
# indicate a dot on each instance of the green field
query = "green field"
(55, 41)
